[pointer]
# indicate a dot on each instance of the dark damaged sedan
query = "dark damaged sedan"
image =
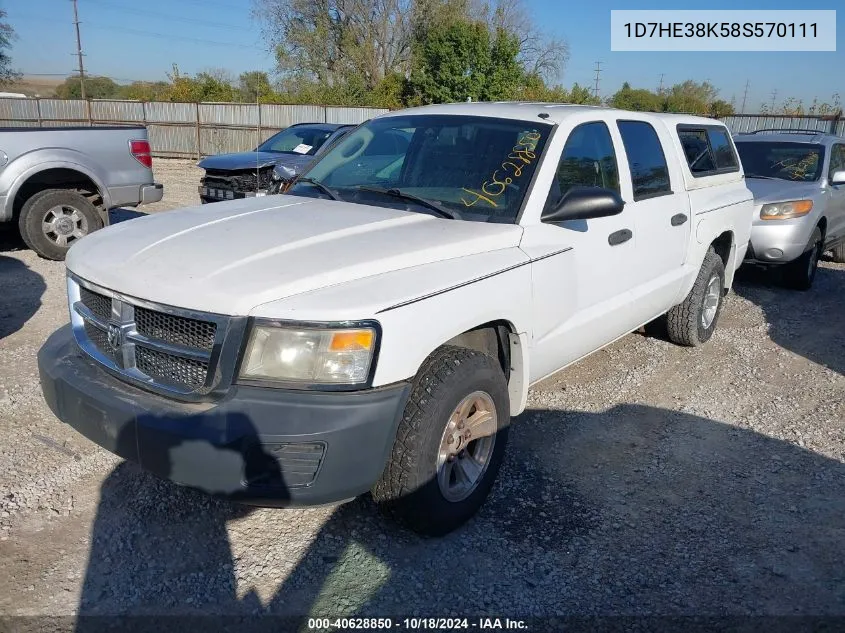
(247, 174)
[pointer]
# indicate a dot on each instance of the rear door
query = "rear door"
(836, 210)
(660, 211)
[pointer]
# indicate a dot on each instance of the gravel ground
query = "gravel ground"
(646, 479)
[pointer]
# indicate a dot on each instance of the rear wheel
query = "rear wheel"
(693, 322)
(52, 220)
(839, 253)
(800, 274)
(450, 442)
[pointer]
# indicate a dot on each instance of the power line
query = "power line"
(79, 50)
(119, 28)
(168, 17)
(745, 95)
(598, 79)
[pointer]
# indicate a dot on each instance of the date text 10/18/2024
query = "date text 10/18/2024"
(347, 624)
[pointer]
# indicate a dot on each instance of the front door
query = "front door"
(581, 269)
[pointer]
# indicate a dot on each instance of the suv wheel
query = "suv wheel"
(450, 442)
(52, 220)
(800, 274)
(693, 322)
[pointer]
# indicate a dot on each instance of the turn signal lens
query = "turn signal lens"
(786, 210)
(351, 341)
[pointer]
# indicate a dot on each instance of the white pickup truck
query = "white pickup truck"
(377, 327)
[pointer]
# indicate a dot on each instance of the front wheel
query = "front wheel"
(450, 442)
(839, 253)
(52, 220)
(693, 322)
(800, 274)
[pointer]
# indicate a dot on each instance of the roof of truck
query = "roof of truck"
(531, 111)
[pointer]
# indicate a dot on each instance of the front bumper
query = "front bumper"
(780, 241)
(261, 446)
(216, 194)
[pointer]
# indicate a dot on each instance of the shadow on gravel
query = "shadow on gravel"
(21, 289)
(122, 214)
(634, 511)
(810, 324)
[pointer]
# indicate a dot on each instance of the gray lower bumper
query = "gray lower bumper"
(152, 193)
(258, 445)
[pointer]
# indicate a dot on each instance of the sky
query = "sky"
(129, 40)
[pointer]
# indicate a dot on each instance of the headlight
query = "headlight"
(309, 355)
(786, 210)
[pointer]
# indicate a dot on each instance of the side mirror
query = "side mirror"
(838, 177)
(584, 203)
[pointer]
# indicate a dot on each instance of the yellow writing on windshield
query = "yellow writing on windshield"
(521, 155)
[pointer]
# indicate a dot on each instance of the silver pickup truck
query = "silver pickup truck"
(58, 184)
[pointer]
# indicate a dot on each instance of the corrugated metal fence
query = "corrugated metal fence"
(186, 130)
(743, 123)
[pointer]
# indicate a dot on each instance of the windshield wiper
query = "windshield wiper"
(331, 193)
(429, 204)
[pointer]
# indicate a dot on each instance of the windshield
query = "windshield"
(473, 168)
(301, 139)
(785, 161)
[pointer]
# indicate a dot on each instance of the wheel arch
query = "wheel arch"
(54, 175)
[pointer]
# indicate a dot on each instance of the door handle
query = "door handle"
(678, 220)
(619, 237)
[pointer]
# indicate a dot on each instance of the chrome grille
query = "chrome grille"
(99, 304)
(170, 368)
(159, 347)
(99, 338)
(175, 329)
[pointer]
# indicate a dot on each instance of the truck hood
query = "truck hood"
(252, 160)
(766, 191)
(232, 256)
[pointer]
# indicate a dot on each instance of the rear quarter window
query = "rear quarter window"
(708, 150)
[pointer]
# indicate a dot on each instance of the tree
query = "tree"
(582, 95)
(720, 109)
(7, 34)
(95, 88)
(638, 99)
(460, 61)
(691, 97)
(145, 91)
(330, 41)
(254, 85)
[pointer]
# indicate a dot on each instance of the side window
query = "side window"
(649, 172)
(696, 150)
(587, 160)
(837, 159)
(725, 158)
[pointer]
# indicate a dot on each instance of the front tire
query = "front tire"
(693, 322)
(52, 220)
(839, 253)
(800, 274)
(450, 442)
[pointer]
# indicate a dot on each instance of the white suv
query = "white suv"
(377, 327)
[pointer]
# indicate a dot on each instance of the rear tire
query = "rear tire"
(839, 253)
(800, 273)
(52, 220)
(437, 477)
(693, 322)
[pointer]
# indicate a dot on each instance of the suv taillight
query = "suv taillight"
(141, 151)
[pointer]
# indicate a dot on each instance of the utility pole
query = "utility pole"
(745, 95)
(598, 75)
(79, 50)
(774, 96)
(660, 87)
